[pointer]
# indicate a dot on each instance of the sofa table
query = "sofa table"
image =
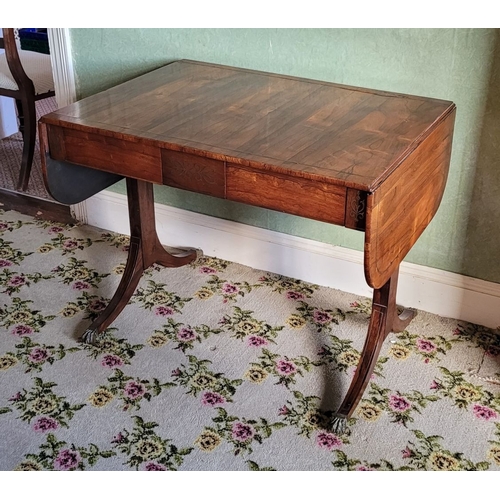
(368, 160)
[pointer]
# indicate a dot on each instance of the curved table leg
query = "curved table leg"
(384, 319)
(145, 249)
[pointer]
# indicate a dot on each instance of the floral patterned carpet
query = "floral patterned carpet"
(216, 366)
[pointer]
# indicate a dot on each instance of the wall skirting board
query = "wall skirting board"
(440, 292)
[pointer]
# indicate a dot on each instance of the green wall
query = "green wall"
(462, 65)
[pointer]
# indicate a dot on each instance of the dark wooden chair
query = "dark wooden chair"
(27, 77)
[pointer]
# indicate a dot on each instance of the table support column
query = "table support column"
(145, 249)
(384, 319)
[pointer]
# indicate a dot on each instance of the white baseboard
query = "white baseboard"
(439, 292)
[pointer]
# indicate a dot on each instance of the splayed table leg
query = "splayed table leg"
(384, 319)
(145, 249)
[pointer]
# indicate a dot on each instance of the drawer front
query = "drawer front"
(194, 173)
(292, 195)
(131, 159)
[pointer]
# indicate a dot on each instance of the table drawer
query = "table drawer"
(194, 173)
(136, 159)
(293, 195)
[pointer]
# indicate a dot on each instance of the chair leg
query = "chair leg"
(20, 115)
(29, 136)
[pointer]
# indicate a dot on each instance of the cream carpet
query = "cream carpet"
(216, 366)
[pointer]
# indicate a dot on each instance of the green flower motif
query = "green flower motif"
(92, 305)
(294, 289)
(427, 348)
(305, 414)
(229, 290)
(13, 282)
(142, 446)
(156, 295)
(428, 454)
(76, 271)
(481, 337)
(114, 239)
(184, 336)
(66, 244)
(343, 356)
(42, 401)
(58, 455)
(24, 320)
(399, 406)
(361, 307)
(112, 351)
(463, 394)
(282, 367)
(242, 324)
(131, 391)
(209, 265)
(11, 225)
(323, 319)
(10, 256)
(34, 356)
(241, 433)
(198, 378)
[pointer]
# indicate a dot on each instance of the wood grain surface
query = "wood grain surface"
(402, 207)
(311, 129)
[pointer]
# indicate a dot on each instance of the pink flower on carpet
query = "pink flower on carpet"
(5, 263)
(119, 438)
(295, 295)
(363, 468)
(354, 304)
(3, 226)
(22, 330)
(407, 453)
(67, 460)
(16, 397)
(242, 432)
(111, 360)
(17, 280)
(80, 285)
(164, 311)
(484, 413)
(70, 244)
(322, 317)
(425, 345)
(435, 385)
(328, 440)
(55, 229)
(398, 403)
(207, 270)
(212, 399)
(44, 424)
(256, 341)
(97, 305)
(230, 289)
(285, 367)
(155, 467)
(134, 390)
(186, 334)
(284, 410)
(38, 355)
(176, 372)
